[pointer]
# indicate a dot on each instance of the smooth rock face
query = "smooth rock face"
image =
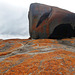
(50, 22)
(37, 57)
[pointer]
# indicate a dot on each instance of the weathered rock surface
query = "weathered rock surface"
(37, 57)
(50, 22)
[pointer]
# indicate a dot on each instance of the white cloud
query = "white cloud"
(13, 21)
(66, 4)
(14, 14)
(16, 3)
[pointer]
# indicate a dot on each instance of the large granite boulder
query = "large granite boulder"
(50, 22)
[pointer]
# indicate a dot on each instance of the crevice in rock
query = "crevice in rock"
(62, 31)
(43, 17)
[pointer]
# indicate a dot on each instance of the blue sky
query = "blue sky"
(14, 16)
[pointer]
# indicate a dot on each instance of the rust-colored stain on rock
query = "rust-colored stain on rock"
(37, 57)
(50, 22)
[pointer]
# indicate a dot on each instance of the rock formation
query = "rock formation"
(42, 56)
(37, 57)
(50, 22)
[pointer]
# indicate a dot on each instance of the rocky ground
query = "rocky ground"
(37, 57)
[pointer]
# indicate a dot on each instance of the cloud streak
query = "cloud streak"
(14, 15)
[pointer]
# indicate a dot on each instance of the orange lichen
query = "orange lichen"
(69, 39)
(12, 61)
(34, 51)
(4, 53)
(2, 45)
(42, 57)
(44, 41)
(47, 63)
(16, 45)
(72, 42)
(10, 49)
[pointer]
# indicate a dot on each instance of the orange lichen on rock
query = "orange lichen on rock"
(16, 45)
(9, 46)
(44, 41)
(4, 53)
(47, 63)
(69, 39)
(34, 51)
(37, 57)
(12, 61)
(72, 42)
(2, 45)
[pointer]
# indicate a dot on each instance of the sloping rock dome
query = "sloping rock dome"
(37, 57)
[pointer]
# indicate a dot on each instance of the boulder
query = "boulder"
(47, 22)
